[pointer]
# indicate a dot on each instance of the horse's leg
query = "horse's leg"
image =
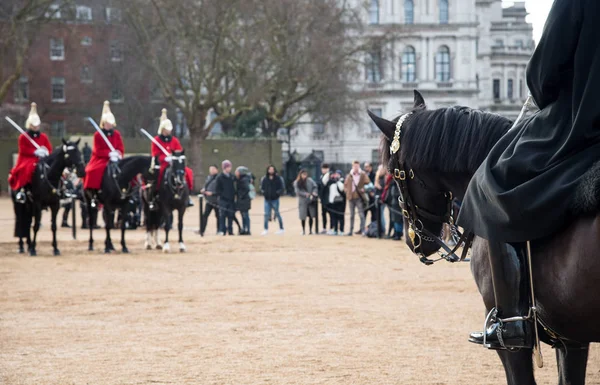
(108, 216)
(54, 213)
(180, 213)
(518, 367)
(124, 248)
(21, 247)
(572, 364)
(92, 215)
(36, 228)
(167, 215)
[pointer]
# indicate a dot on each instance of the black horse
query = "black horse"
(114, 194)
(173, 194)
(439, 152)
(45, 192)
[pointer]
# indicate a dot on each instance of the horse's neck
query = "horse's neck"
(56, 169)
(130, 170)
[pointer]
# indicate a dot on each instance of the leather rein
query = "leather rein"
(413, 213)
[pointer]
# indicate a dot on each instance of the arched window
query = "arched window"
(409, 12)
(442, 64)
(409, 65)
(443, 11)
(374, 12)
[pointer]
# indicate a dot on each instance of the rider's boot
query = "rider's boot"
(190, 202)
(20, 196)
(507, 326)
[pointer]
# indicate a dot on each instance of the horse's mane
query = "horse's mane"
(455, 139)
(133, 165)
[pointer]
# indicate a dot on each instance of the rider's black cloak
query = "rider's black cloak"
(524, 189)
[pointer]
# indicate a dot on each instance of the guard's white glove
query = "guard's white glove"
(114, 156)
(41, 152)
(168, 158)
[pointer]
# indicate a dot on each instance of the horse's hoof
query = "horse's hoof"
(107, 250)
(182, 247)
(125, 250)
(159, 247)
(56, 252)
(21, 250)
(32, 253)
(90, 248)
(166, 248)
(147, 246)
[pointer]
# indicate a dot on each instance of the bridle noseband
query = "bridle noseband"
(413, 213)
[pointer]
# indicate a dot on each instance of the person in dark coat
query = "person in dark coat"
(524, 189)
(226, 192)
(243, 201)
(86, 151)
(335, 197)
(212, 200)
(272, 187)
(324, 194)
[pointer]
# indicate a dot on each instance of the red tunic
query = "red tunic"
(170, 146)
(94, 171)
(22, 173)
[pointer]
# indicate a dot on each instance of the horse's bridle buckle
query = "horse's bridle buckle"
(399, 174)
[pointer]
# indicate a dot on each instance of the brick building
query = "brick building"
(75, 63)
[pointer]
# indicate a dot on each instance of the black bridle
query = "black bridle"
(413, 213)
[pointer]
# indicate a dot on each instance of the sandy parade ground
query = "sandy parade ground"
(241, 310)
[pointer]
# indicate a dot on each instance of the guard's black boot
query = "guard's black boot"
(508, 268)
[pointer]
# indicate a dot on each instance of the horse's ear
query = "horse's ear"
(64, 141)
(77, 143)
(419, 101)
(387, 128)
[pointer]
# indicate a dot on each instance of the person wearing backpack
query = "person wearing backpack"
(272, 187)
(335, 200)
(244, 195)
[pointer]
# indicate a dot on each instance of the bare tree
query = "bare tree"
(19, 21)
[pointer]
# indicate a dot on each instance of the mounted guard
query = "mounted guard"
(169, 144)
(33, 145)
(102, 153)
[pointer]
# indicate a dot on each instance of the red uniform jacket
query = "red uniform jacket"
(23, 171)
(94, 171)
(171, 144)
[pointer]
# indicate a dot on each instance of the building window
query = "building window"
(443, 11)
(509, 89)
(521, 90)
(86, 74)
(57, 128)
(409, 12)
(87, 41)
(409, 65)
(374, 12)
(116, 54)
(53, 12)
(22, 89)
(319, 154)
(496, 89)
(83, 13)
(375, 156)
(498, 43)
(377, 112)
(442, 64)
(374, 66)
(58, 90)
(318, 128)
(57, 49)
(116, 92)
(113, 14)
(519, 43)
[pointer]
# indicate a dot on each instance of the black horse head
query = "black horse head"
(425, 150)
(72, 156)
(177, 168)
